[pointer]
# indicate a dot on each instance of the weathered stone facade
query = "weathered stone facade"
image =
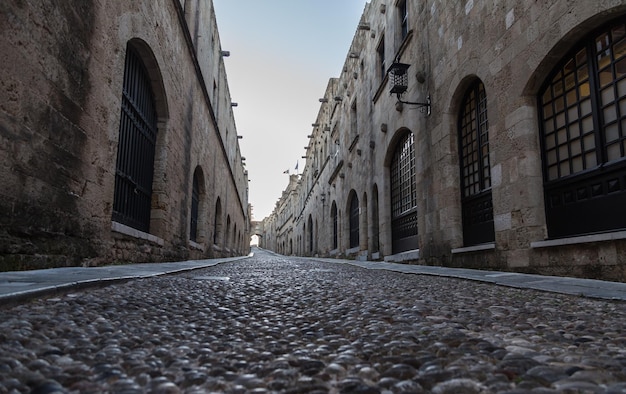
(493, 185)
(62, 78)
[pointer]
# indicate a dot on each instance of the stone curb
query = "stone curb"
(10, 298)
(589, 288)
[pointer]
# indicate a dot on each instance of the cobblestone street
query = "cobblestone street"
(277, 324)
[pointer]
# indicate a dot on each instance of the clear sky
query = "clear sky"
(282, 54)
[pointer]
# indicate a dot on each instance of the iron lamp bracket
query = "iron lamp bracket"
(424, 106)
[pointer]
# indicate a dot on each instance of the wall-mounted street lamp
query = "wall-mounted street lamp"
(399, 77)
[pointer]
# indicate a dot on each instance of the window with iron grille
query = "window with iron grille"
(404, 19)
(227, 234)
(195, 201)
(217, 228)
(476, 197)
(375, 220)
(582, 106)
(333, 214)
(136, 147)
(354, 221)
(403, 196)
(310, 234)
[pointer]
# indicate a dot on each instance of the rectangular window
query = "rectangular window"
(381, 58)
(353, 120)
(404, 19)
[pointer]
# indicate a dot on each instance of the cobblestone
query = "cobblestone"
(274, 324)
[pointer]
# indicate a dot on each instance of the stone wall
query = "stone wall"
(511, 47)
(59, 130)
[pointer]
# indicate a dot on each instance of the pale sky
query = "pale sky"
(282, 54)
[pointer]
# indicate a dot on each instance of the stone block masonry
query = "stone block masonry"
(63, 75)
(495, 179)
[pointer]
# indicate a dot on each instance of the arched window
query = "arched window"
(316, 229)
(217, 229)
(354, 220)
(375, 220)
(333, 216)
(582, 107)
(227, 234)
(403, 196)
(136, 148)
(310, 234)
(476, 197)
(195, 204)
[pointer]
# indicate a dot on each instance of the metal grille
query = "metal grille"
(333, 214)
(474, 141)
(403, 191)
(611, 63)
(404, 196)
(217, 228)
(227, 233)
(568, 129)
(137, 140)
(195, 199)
(475, 168)
(354, 221)
(583, 135)
(310, 234)
(376, 220)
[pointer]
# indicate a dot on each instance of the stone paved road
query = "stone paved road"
(275, 324)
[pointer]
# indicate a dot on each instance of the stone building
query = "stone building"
(117, 136)
(518, 164)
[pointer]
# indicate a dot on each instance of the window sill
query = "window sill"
(196, 246)
(404, 256)
(353, 144)
(353, 250)
(613, 236)
(132, 232)
(380, 89)
(475, 248)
